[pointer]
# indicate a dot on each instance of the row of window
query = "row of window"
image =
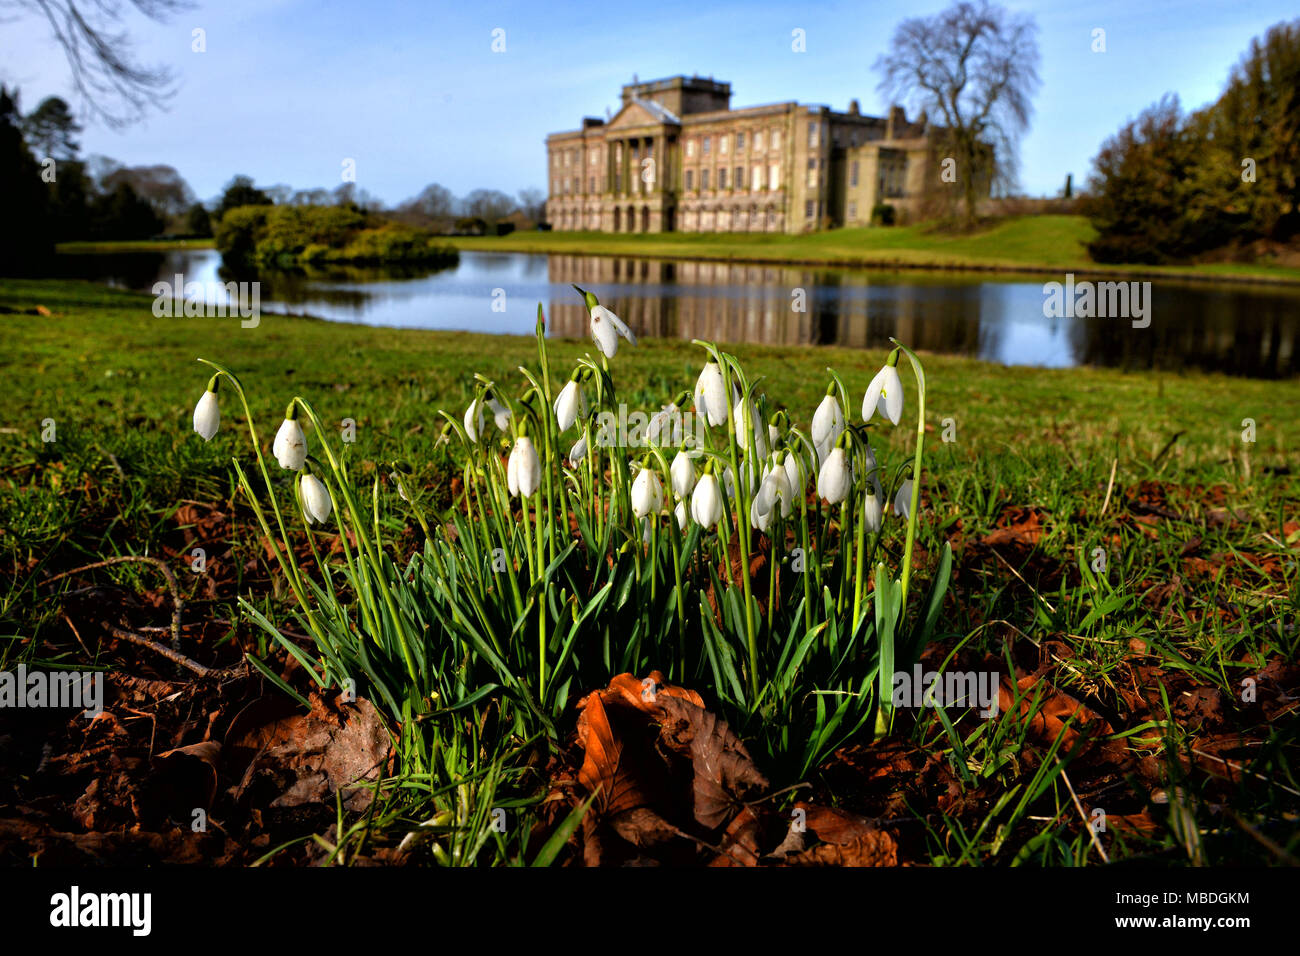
(705, 143)
(738, 178)
(892, 178)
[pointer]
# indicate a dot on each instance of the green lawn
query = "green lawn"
(1206, 582)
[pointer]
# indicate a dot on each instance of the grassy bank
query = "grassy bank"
(1198, 530)
(135, 245)
(1051, 244)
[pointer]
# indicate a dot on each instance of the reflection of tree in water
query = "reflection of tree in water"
(1236, 331)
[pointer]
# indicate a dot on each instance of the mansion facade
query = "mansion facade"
(677, 158)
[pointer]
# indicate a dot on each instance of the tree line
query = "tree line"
(55, 195)
(1222, 181)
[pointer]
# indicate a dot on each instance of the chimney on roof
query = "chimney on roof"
(897, 120)
(854, 108)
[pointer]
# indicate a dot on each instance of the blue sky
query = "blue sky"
(289, 89)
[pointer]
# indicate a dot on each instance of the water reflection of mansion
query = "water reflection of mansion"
(764, 304)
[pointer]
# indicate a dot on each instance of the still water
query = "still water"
(1239, 330)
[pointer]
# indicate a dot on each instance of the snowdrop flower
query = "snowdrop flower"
(207, 413)
(290, 445)
(665, 427)
(680, 513)
(647, 493)
(578, 451)
(774, 490)
(756, 428)
(833, 480)
(903, 500)
(570, 405)
(499, 412)
(316, 502)
(871, 512)
(884, 395)
(827, 426)
(711, 395)
(791, 466)
(606, 327)
(682, 473)
(474, 420)
(523, 470)
(706, 501)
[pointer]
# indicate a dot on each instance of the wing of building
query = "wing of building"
(677, 158)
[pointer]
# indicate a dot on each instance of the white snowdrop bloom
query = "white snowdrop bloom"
(681, 515)
(884, 395)
(570, 405)
(523, 470)
(706, 501)
(647, 493)
(578, 451)
(606, 327)
(207, 415)
(682, 473)
(316, 501)
(474, 420)
(833, 480)
(499, 412)
(903, 500)
(871, 512)
(711, 395)
(665, 427)
(290, 445)
(827, 426)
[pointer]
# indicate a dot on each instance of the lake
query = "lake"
(1235, 329)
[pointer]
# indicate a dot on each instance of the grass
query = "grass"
(135, 245)
(1209, 594)
(1055, 244)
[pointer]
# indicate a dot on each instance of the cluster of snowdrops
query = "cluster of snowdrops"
(723, 545)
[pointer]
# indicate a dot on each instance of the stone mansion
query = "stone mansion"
(677, 158)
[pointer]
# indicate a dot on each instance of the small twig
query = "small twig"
(176, 657)
(177, 601)
(1046, 603)
(1110, 485)
(1086, 822)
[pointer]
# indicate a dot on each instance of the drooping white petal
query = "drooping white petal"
(474, 420)
(833, 480)
(680, 513)
(903, 500)
(500, 413)
(619, 325)
(827, 423)
(527, 476)
(871, 512)
(315, 499)
(706, 502)
(570, 405)
(578, 451)
(884, 395)
(711, 395)
(647, 493)
(604, 332)
(682, 472)
(290, 445)
(207, 416)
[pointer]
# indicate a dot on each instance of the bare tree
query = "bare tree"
(975, 66)
(115, 87)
